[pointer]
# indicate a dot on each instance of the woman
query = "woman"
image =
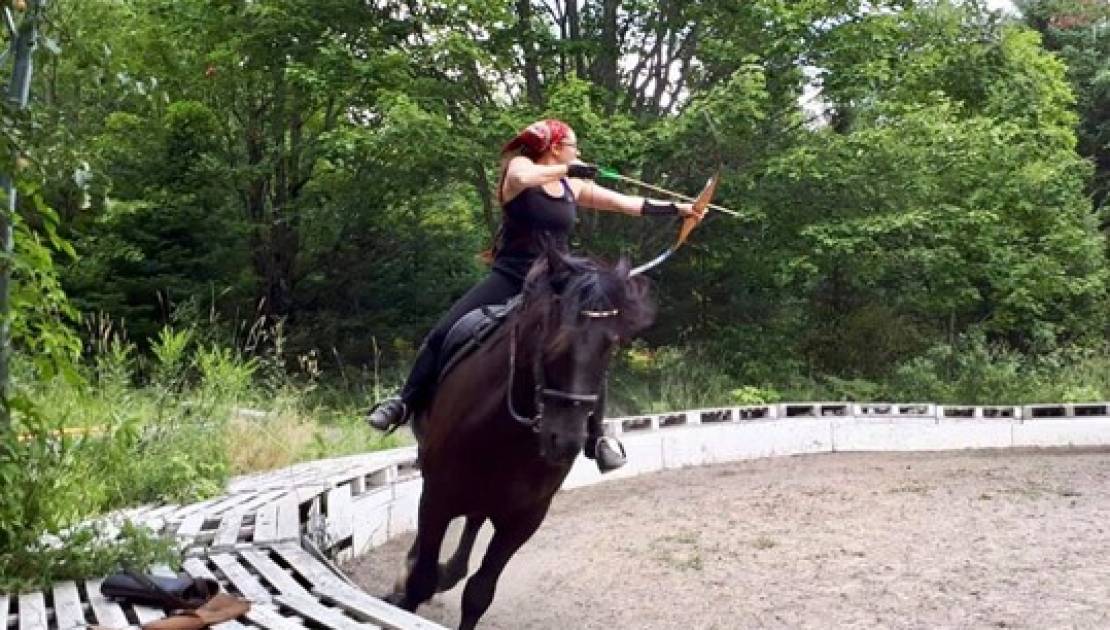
(542, 184)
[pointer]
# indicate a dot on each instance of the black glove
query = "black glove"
(653, 209)
(582, 171)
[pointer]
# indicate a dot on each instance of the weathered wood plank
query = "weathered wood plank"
(266, 522)
(263, 498)
(304, 564)
(201, 506)
(244, 582)
(289, 519)
(365, 606)
(107, 613)
(228, 533)
(197, 568)
(308, 607)
(371, 512)
(32, 612)
(271, 619)
(68, 611)
(231, 625)
(147, 614)
(273, 574)
(339, 525)
(191, 525)
(227, 502)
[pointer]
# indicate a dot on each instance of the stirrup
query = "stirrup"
(609, 454)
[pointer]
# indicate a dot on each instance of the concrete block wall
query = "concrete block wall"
(699, 437)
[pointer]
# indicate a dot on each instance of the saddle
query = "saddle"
(471, 331)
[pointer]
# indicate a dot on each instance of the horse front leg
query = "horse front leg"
(507, 539)
(399, 585)
(423, 560)
(457, 567)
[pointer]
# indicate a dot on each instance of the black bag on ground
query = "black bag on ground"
(181, 592)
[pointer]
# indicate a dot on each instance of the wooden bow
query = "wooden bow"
(701, 202)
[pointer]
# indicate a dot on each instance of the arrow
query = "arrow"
(608, 173)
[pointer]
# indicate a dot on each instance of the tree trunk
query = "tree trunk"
(574, 27)
(605, 63)
(531, 60)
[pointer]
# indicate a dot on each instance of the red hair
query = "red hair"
(538, 137)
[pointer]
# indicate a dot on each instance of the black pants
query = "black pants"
(496, 288)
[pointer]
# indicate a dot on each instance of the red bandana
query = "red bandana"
(538, 137)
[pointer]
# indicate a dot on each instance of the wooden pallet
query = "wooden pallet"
(250, 541)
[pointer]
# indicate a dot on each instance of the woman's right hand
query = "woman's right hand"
(581, 170)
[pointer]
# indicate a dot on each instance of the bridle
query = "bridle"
(540, 392)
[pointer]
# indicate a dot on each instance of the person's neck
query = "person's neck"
(547, 161)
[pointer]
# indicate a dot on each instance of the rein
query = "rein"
(540, 392)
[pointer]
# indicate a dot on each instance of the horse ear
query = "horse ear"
(623, 267)
(556, 262)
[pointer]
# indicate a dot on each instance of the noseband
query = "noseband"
(540, 392)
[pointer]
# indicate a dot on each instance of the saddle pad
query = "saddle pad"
(467, 334)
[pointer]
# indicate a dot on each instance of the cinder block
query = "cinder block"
(1065, 432)
(924, 434)
(403, 509)
(695, 446)
(644, 456)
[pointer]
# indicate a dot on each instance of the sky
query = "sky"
(1006, 5)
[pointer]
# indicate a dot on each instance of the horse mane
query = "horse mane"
(577, 286)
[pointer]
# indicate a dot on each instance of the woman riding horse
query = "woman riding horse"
(507, 424)
(541, 186)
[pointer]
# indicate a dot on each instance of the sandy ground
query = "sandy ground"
(998, 539)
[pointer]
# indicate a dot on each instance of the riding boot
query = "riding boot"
(391, 413)
(388, 414)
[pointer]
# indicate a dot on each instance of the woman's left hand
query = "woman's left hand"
(686, 210)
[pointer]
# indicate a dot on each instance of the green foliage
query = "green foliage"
(652, 380)
(1078, 31)
(976, 371)
(85, 551)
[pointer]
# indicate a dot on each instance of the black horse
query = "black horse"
(507, 422)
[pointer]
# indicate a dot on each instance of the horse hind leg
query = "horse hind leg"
(480, 588)
(458, 566)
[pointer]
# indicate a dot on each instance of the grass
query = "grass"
(171, 426)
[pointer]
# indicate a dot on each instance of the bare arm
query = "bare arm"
(523, 173)
(592, 195)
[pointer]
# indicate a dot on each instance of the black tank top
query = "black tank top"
(531, 222)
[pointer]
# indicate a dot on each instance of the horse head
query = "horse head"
(575, 312)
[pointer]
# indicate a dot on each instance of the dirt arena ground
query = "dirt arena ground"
(972, 539)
